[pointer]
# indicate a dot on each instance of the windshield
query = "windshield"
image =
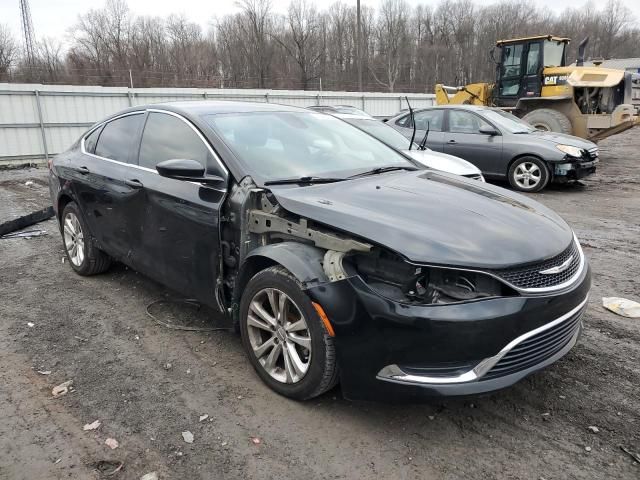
(553, 53)
(279, 145)
(381, 131)
(508, 122)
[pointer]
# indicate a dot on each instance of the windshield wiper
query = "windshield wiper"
(304, 180)
(379, 170)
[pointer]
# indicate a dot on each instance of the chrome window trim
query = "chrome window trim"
(395, 374)
(141, 112)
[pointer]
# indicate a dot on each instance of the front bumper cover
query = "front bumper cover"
(384, 347)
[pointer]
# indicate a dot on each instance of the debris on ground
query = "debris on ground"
(31, 324)
(91, 426)
(44, 372)
(61, 389)
(28, 183)
(256, 440)
(26, 220)
(187, 436)
(622, 306)
(588, 449)
(26, 234)
(150, 476)
(633, 455)
(108, 468)
(203, 417)
(167, 366)
(593, 428)
(112, 443)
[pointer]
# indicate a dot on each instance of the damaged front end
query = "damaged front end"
(387, 313)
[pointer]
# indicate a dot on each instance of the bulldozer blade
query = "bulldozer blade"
(608, 132)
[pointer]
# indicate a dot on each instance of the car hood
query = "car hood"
(564, 139)
(443, 161)
(431, 217)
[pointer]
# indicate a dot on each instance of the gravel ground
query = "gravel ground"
(147, 384)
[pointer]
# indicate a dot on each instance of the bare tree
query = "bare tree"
(392, 42)
(256, 26)
(8, 50)
(301, 38)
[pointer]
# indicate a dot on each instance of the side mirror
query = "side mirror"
(486, 130)
(184, 169)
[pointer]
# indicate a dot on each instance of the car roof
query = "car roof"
(352, 116)
(212, 107)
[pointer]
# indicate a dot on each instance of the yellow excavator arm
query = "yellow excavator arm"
(472, 94)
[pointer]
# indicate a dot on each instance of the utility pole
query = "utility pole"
(27, 31)
(359, 45)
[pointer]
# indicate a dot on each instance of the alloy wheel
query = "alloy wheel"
(279, 335)
(73, 238)
(527, 175)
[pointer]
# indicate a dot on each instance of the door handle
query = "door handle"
(83, 170)
(452, 141)
(134, 183)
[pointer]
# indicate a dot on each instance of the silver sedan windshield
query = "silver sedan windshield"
(276, 145)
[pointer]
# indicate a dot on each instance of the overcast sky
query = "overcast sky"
(52, 18)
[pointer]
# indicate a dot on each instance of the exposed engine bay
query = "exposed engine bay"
(382, 270)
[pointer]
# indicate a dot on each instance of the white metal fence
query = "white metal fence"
(37, 121)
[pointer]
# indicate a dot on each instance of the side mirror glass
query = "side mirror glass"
(486, 130)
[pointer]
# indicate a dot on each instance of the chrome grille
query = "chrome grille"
(529, 276)
(536, 349)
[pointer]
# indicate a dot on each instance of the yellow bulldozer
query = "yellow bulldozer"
(534, 83)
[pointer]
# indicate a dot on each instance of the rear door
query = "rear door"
(181, 240)
(432, 119)
(105, 199)
(463, 139)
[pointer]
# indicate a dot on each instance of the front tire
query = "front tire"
(528, 174)
(84, 257)
(285, 340)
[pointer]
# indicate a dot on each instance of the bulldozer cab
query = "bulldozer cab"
(520, 66)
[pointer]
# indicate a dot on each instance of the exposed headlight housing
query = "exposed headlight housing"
(394, 278)
(570, 150)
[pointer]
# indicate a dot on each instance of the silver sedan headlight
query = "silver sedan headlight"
(570, 150)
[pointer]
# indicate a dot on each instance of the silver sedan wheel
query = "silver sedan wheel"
(279, 335)
(527, 175)
(73, 238)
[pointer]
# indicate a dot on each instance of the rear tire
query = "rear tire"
(276, 341)
(528, 174)
(549, 120)
(84, 257)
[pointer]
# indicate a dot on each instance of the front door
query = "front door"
(181, 239)
(463, 139)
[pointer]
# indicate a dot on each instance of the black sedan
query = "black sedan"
(501, 145)
(336, 257)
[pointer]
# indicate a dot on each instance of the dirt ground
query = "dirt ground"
(147, 384)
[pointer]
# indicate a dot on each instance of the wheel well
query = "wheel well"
(527, 155)
(252, 266)
(63, 201)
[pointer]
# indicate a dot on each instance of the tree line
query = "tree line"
(403, 47)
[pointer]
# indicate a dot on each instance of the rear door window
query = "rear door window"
(431, 119)
(119, 138)
(166, 137)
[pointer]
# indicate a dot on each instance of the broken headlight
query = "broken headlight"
(394, 278)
